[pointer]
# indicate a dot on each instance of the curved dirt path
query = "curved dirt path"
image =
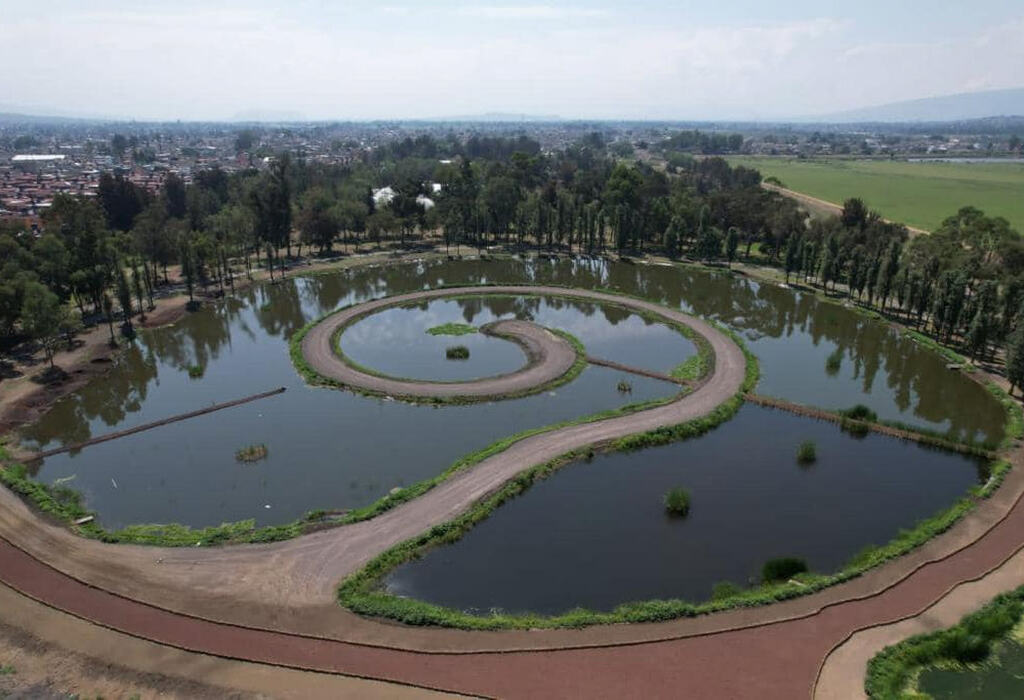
(278, 588)
(549, 356)
(292, 584)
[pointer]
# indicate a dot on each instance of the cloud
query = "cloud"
(207, 62)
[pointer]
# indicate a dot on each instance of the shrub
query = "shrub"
(624, 387)
(807, 453)
(860, 412)
(196, 371)
(782, 569)
(677, 502)
(457, 352)
(252, 453)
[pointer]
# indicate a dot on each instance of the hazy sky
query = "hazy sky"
(321, 59)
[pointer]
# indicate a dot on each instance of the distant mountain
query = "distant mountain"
(947, 108)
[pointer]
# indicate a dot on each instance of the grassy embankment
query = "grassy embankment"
(892, 672)
(917, 194)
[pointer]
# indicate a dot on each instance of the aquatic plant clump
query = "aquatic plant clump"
(252, 453)
(624, 387)
(457, 352)
(807, 453)
(452, 329)
(677, 502)
(196, 371)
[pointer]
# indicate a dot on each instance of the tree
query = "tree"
(792, 256)
(174, 196)
(732, 242)
(1015, 353)
(709, 244)
(317, 220)
(42, 316)
(124, 297)
(855, 214)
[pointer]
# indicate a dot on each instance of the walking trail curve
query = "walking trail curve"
(274, 603)
(549, 356)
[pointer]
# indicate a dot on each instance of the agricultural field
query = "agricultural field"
(918, 194)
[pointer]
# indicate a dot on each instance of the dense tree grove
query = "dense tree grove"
(113, 253)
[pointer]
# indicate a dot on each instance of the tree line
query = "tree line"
(108, 257)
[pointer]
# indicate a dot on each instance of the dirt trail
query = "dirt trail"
(549, 356)
(292, 583)
(827, 206)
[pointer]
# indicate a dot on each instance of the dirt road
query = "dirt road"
(549, 356)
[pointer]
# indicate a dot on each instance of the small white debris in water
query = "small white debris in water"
(267, 506)
(551, 393)
(113, 482)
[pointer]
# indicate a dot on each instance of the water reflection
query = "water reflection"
(810, 351)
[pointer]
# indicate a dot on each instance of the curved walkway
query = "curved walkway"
(549, 356)
(291, 585)
(263, 602)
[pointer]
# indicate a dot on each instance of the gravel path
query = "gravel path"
(549, 356)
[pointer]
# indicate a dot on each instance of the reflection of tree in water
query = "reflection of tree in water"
(762, 310)
(198, 339)
(917, 378)
(120, 392)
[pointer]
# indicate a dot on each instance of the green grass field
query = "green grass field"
(917, 194)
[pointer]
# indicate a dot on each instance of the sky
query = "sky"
(322, 60)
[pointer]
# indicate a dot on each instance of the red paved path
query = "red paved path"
(778, 660)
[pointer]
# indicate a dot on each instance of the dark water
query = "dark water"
(327, 448)
(596, 534)
(1000, 677)
(331, 449)
(396, 342)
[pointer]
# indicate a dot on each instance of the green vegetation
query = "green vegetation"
(677, 502)
(624, 387)
(7, 670)
(782, 569)
(452, 329)
(860, 412)
(457, 352)
(695, 366)
(807, 453)
(892, 672)
(918, 194)
(724, 590)
(252, 453)
(196, 371)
